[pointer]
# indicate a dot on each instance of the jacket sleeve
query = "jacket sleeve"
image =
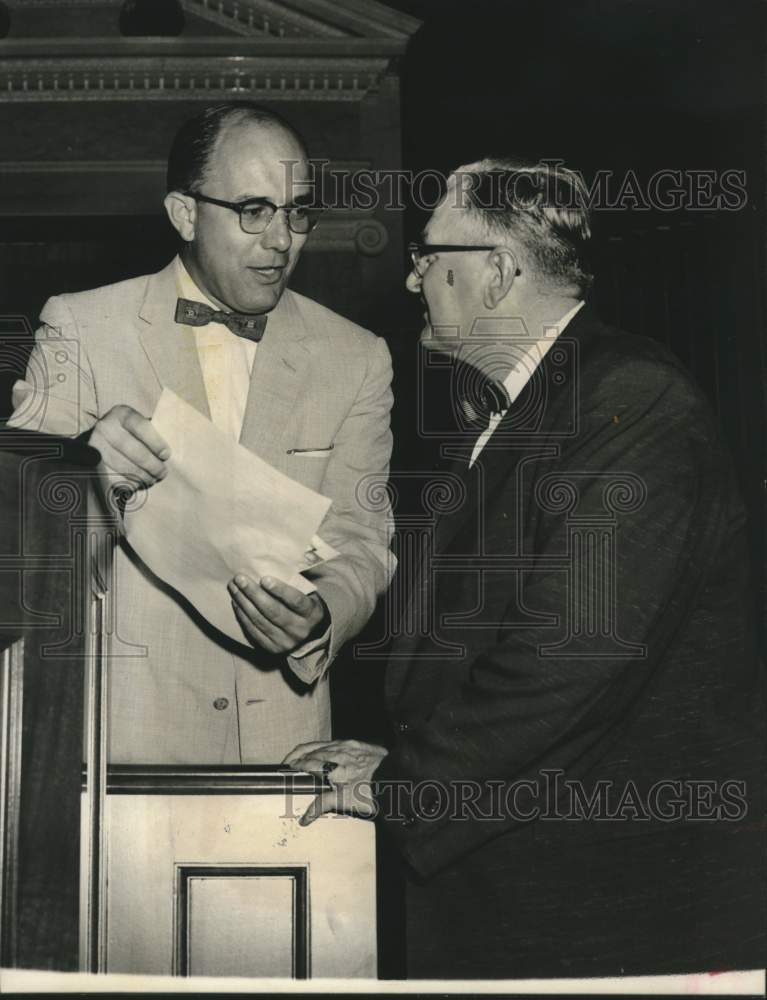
(522, 709)
(57, 394)
(359, 523)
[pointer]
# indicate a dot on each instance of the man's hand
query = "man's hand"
(130, 447)
(349, 766)
(276, 616)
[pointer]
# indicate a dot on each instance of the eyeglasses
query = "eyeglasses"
(419, 250)
(256, 214)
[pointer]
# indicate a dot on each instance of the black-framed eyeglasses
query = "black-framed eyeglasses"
(419, 250)
(256, 214)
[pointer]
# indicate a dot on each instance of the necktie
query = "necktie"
(199, 314)
(482, 401)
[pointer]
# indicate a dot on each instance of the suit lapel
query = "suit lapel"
(526, 427)
(497, 460)
(280, 374)
(171, 347)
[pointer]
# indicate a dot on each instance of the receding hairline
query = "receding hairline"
(242, 120)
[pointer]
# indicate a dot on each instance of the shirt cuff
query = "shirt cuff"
(310, 661)
(322, 642)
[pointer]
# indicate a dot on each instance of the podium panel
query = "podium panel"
(208, 872)
(241, 920)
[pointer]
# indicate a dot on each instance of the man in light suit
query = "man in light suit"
(302, 387)
(575, 784)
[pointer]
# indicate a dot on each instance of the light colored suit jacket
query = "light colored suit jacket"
(179, 691)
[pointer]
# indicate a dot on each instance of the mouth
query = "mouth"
(268, 275)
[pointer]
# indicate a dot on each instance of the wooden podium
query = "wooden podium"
(207, 872)
(151, 870)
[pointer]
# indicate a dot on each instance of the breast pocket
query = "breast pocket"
(307, 465)
(312, 452)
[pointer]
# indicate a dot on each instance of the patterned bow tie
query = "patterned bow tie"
(482, 401)
(199, 314)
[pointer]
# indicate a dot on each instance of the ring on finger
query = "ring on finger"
(327, 767)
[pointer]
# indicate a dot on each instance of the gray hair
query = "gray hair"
(542, 207)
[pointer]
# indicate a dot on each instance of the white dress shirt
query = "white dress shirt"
(226, 361)
(227, 364)
(530, 356)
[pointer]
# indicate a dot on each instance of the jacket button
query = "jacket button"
(403, 727)
(221, 703)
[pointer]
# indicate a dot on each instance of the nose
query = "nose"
(413, 281)
(277, 235)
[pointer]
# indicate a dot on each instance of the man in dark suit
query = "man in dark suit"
(574, 781)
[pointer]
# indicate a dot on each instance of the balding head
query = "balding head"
(198, 138)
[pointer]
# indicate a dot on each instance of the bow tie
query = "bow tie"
(199, 314)
(482, 401)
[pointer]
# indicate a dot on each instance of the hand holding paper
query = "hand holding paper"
(130, 447)
(276, 616)
(221, 511)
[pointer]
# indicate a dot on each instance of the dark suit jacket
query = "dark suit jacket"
(578, 723)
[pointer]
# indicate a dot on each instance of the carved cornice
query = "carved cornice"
(199, 47)
(265, 16)
(243, 22)
(177, 78)
(302, 18)
(314, 50)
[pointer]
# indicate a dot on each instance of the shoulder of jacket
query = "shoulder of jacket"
(626, 368)
(610, 347)
(120, 293)
(331, 324)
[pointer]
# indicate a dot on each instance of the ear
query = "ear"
(503, 271)
(182, 212)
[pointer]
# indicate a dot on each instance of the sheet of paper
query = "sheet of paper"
(221, 510)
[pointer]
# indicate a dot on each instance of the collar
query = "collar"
(284, 320)
(530, 356)
(188, 288)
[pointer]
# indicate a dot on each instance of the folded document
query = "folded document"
(221, 510)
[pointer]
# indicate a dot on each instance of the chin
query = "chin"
(263, 303)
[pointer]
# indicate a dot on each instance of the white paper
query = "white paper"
(221, 510)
